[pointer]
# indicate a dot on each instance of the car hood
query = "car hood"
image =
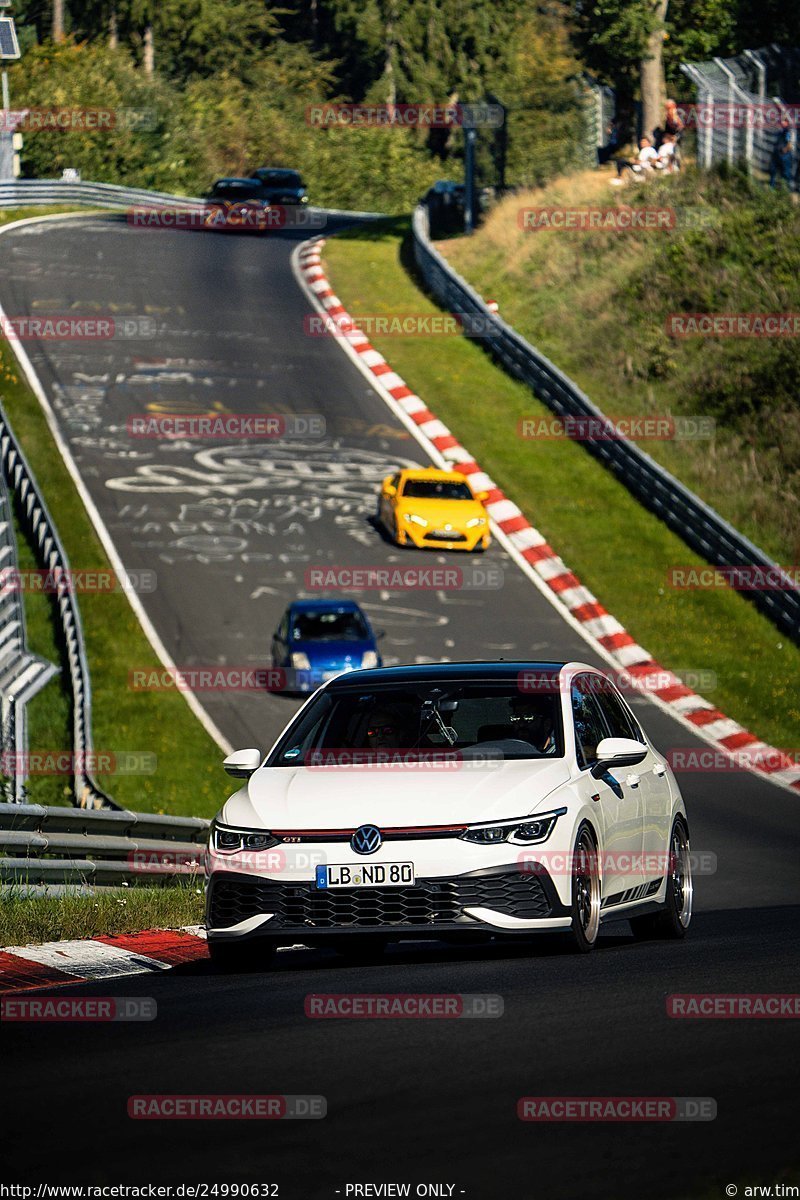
(325, 652)
(440, 512)
(345, 797)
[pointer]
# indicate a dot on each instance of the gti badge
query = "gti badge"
(366, 840)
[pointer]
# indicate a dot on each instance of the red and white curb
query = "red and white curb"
(54, 964)
(531, 551)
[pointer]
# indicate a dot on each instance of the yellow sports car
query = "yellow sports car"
(433, 509)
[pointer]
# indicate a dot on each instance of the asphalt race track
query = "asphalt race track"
(230, 529)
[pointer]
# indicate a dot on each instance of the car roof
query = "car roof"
(329, 605)
(451, 672)
(232, 179)
(433, 473)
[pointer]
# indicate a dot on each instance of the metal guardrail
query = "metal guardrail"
(52, 556)
(20, 193)
(694, 521)
(22, 674)
(55, 846)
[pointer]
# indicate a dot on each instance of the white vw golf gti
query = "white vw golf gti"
(447, 800)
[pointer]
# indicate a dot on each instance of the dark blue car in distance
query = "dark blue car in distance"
(317, 639)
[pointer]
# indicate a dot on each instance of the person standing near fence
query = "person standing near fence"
(782, 162)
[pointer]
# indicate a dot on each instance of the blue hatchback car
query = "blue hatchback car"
(317, 639)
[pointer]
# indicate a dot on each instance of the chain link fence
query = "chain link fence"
(739, 107)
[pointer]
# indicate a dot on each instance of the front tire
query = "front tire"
(234, 956)
(585, 892)
(673, 920)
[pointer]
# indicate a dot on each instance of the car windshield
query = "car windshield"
(329, 627)
(288, 179)
(235, 191)
(423, 720)
(436, 489)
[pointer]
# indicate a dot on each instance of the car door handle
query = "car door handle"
(659, 769)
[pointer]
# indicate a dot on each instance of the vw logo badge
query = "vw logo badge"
(366, 840)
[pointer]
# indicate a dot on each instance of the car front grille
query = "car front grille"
(429, 902)
(445, 537)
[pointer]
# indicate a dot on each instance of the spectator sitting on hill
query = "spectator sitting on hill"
(644, 164)
(667, 158)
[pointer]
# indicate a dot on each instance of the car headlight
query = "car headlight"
(300, 661)
(370, 659)
(522, 831)
(417, 520)
(229, 840)
(476, 521)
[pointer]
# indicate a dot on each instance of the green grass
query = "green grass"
(597, 303)
(188, 779)
(25, 918)
(7, 215)
(615, 546)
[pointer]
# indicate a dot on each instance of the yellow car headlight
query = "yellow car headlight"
(417, 520)
(476, 521)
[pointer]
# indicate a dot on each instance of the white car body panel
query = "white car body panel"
(633, 816)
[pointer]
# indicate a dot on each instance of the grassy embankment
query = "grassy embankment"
(616, 547)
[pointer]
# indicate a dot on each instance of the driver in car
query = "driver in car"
(532, 721)
(387, 729)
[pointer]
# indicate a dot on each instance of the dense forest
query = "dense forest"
(224, 85)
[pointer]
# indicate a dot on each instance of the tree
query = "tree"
(630, 43)
(651, 68)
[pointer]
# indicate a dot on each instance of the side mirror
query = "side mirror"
(390, 490)
(617, 752)
(481, 496)
(242, 763)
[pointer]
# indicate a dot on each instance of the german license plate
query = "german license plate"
(358, 875)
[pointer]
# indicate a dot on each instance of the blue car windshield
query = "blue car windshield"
(329, 627)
